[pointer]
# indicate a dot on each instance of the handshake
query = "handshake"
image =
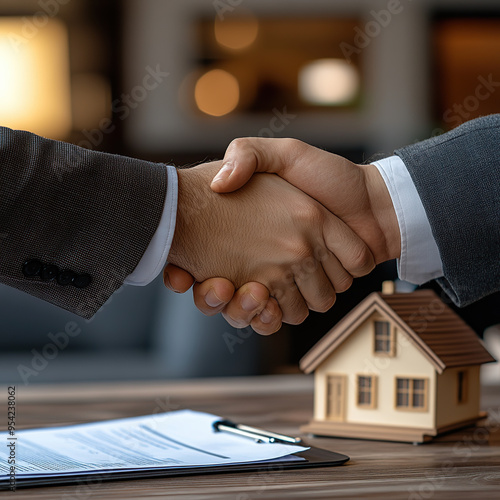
(269, 247)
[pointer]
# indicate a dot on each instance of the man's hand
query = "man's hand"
(250, 305)
(356, 193)
(269, 232)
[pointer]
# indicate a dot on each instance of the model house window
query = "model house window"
(384, 338)
(411, 393)
(462, 386)
(366, 391)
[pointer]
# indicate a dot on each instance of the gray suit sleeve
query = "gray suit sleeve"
(457, 176)
(88, 213)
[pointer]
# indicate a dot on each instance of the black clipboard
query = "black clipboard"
(314, 457)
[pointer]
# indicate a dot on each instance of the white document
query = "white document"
(168, 441)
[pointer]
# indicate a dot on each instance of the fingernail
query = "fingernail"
(212, 299)
(266, 316)
(249, 302)
(224, 172)
(166, 279)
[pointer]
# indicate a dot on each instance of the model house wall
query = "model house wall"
(449, 407)
(355, 357)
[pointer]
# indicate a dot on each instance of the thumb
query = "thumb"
(242, 159)
(232, 175)
(176, 279)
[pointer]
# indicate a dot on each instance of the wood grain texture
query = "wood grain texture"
(463, 465)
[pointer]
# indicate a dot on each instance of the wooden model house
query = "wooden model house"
(398, 367)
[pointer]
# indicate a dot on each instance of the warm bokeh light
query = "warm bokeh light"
(328, 82)
(217, 92)
(236, 33)
(34, 78)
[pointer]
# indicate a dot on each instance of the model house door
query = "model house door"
(335, 402)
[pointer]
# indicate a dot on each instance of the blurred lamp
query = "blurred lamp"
(34, 78)
(217, 92)
(328, 82)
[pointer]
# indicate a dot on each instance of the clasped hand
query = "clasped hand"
(264, 249)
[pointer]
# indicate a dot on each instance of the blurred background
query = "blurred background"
(175, 81)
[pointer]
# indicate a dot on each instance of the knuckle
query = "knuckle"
(294, 146)
(235, 323)
(297, 320)
(240, 319)
(237, 145)
(206, 309)
(361, 261)
(344, 283)
(292, 304)
(325, 303)
(304, 257)
(265, 329)
(310, 211)
(296, 317)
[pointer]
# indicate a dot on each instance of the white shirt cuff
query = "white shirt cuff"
(420, 260)
(155, 257)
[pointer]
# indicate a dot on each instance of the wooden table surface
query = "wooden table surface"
(464, 465)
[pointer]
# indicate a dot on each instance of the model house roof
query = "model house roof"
(434, 328)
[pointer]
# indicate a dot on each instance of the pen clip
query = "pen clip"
(259, 435)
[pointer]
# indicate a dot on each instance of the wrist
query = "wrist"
(186, 201)
(199, 223)
(383, 213)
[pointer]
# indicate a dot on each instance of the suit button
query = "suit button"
(48, 272)
(82, 280)
(32, 268)
(65, 277)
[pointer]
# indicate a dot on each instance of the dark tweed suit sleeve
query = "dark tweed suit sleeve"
(457, 176)
(89, 214)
